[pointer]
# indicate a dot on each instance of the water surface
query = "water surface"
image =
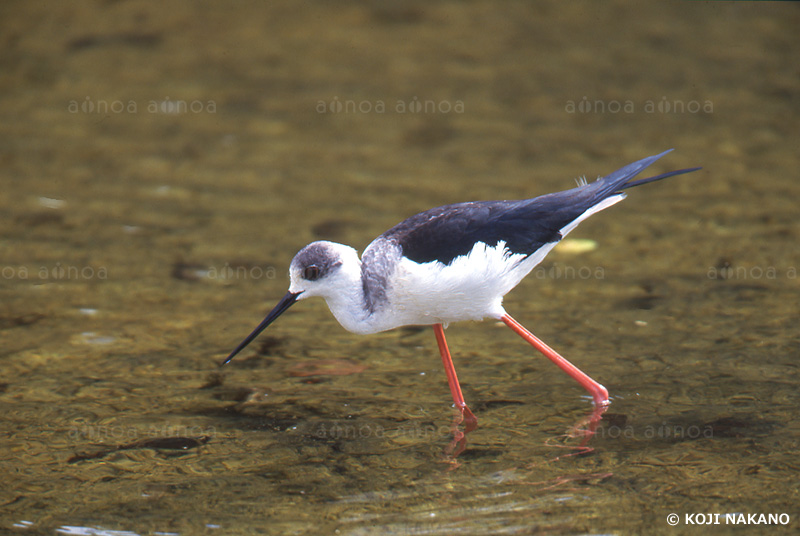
(162, 166)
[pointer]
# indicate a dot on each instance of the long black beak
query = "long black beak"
(277, 311)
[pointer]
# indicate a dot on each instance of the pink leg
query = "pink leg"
(598, 392)
(470, 421)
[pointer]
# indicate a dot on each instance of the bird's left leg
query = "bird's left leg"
(470, 421)
(598, 392)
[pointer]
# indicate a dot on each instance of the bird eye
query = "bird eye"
(311, 272)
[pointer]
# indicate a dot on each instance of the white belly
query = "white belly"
(470, 288)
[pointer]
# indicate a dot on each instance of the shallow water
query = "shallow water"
(160, 167)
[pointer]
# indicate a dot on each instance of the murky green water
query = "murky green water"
(162, 163)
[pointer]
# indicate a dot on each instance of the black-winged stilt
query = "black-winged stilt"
(452, 263)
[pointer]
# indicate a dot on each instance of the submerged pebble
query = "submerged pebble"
(574, 246)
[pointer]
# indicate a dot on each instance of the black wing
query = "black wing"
(444, 233)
